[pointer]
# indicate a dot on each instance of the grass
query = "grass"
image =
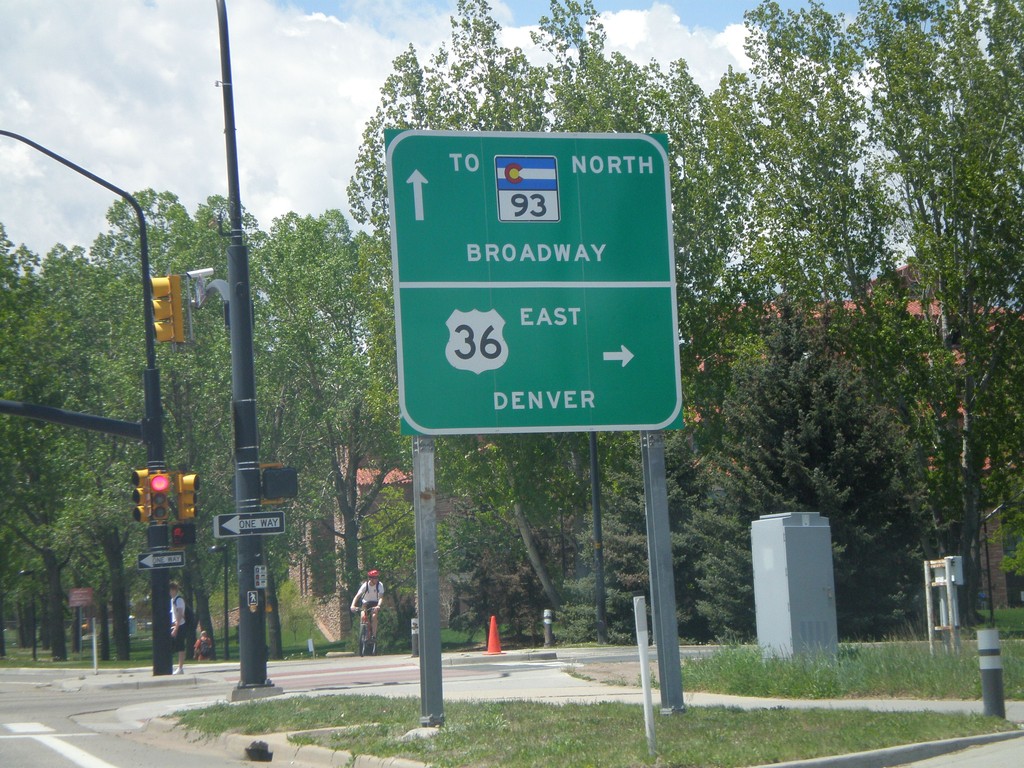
(517, 734)
(883, 670)
(1010, 621)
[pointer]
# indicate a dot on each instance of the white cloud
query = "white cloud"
(126, 89)
(658, 34)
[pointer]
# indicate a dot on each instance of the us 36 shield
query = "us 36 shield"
(475, 340)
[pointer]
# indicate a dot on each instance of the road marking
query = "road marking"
(28, 728)
(78, 756)
(46, 736)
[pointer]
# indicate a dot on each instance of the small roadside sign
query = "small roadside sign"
(79, 597)
(251, 524)
(152, 560)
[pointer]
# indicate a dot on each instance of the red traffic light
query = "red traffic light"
(159, 498)
(160, 483)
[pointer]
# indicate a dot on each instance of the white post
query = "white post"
(954, 608)
(640, 617)
(928, 606)
(991, 664)
(95, 658)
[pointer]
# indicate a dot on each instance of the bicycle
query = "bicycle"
(367, 642)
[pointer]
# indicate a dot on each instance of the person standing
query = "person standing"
(178, 627)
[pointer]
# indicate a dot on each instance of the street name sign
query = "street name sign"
(248, 524)
(155, 560)
(534, 282)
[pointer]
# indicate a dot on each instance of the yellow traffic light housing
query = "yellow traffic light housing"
(140, 495)
(187, 484)
(160, 496)
(168, 314)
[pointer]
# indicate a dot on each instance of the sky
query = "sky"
(127, 89)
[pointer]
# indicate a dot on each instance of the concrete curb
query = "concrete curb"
(454, 659)
(896, 756)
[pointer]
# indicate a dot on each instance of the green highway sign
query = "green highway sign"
(534, 282)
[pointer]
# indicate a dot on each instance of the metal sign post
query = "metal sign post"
(663, 588)
(427, 582)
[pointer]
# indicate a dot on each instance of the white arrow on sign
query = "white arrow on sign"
(623, 354)
(231, 524)
(417, 180)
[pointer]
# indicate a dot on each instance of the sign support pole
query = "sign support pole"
(427, 581)
(663, 590)
(252, 624)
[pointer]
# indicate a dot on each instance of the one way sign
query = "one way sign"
(253, 523)
(151, 560)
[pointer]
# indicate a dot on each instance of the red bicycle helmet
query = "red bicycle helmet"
(373, 573)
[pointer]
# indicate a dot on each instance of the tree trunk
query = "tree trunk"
(273, 617)
(113, 544)
(969, 530)
(534, 554)
(103, 622)
(55, 606)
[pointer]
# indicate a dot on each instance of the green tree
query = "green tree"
(946, 120)
(804, 432)
(329, 389)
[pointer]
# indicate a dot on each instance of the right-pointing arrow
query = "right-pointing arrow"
(623, 354)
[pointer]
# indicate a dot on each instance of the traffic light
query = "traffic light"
(160, 496)
(187, 485)
(169, 319)
(182, 534)
(278, 483)
(140, 495)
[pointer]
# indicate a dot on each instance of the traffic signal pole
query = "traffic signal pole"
(252, 620)
(152, 426)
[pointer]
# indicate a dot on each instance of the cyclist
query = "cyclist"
(370, 593)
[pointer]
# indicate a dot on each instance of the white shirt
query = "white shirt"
(368, 596)
(177, 610)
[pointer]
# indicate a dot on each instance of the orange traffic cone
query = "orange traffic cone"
(493, 641)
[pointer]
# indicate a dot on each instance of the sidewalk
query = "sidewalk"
(554, 685)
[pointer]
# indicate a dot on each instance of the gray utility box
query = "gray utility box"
(794, 587)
